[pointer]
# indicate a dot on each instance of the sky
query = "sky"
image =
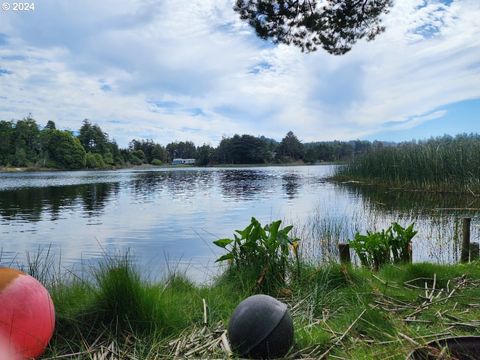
(176, 70)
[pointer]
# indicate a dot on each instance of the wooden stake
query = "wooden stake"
(474, 251)
(465, 256)
(344, 251)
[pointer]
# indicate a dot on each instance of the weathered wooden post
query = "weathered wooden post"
(408, 253)
(466, 240)
(344, 251)
(474, 251)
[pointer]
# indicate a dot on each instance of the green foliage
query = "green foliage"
(135, 160)
(387, 246)
(244, 149)
(95, 141)
(139, 154)
(23, 144)
(334, 151)
(24, 141)
(444, 163)
(334, 26)
(6, 141)
(290, 148)
(65, 149)
(95, 161)
(21, 158)
(108, 157)
(93, 138)
(123, 302)
(149, 151)
(90, 161)
(182, 149)
(50, 125)
(400, 242)
(264, 249)
(204, 154)
(157, 162)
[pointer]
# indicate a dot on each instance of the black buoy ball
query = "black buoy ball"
(261, 328)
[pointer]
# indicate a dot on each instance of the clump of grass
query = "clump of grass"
(123, 302)
(449, 164)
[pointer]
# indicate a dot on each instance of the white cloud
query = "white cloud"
(210, 76)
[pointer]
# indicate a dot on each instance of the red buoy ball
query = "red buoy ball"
(27, 315)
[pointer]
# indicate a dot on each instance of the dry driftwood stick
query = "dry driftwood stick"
(340, 339)
(226, 344)
(433, 287)
(204, 346)
(408, 338)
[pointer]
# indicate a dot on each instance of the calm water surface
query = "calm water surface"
(168, 218)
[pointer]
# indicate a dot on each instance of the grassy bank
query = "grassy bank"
(337, 310)
(13, 169)
(447, 164)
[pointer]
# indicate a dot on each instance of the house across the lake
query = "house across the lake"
(183, 162)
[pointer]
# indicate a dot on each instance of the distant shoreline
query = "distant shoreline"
(15, 169)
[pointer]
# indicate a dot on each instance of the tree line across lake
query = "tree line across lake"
(24, 143)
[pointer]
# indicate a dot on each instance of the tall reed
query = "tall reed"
(442, 164)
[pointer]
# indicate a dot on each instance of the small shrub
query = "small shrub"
(94, 161)
(387, 246)
(135, 160)
(156, 162)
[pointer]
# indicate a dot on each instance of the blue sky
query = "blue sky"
(461, 117)
(191, 70)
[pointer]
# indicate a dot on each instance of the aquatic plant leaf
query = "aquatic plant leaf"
(228, 256)
(223, 242)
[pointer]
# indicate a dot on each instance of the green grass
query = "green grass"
(341, 310)
(449, 164)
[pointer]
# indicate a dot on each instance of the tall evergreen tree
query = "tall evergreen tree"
(290, 148)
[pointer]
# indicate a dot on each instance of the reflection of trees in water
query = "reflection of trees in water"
(147, 182)
(30, 203)
(243, 184)
(291, 184)
(96, 196)
(419, 202)
(175, 182)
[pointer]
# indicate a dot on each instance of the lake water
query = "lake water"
(168, 218)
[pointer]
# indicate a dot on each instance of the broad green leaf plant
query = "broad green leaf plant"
(260, 247)
(392, 245)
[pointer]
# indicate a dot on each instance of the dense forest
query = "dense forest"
(24, 143)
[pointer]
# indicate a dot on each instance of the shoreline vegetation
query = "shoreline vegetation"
(12, 169)
(25, 144)
(338, 310)
(442, 164)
